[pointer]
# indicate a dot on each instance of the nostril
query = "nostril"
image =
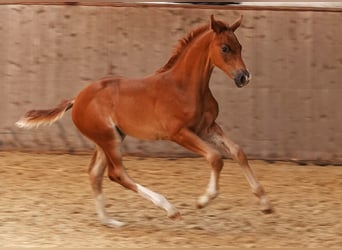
(243, 78)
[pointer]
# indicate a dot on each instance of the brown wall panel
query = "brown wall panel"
(291, 109)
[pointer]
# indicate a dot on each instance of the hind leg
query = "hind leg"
(96, 170)
(117, 173)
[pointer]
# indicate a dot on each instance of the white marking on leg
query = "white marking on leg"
(99, 202)
(212, 187)
(96, 179)
(158, 200)
(210, 193)
(103, 215)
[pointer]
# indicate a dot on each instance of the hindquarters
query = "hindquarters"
(92, 112)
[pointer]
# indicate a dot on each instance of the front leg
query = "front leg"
(193, 142)
(218, 137)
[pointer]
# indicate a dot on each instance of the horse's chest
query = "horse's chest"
(204, 114)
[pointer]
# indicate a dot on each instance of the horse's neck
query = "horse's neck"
(193, 69)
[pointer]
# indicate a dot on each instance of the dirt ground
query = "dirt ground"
(46, 201)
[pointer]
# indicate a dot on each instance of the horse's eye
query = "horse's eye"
(225, 49)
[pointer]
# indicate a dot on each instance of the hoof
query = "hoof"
(266, 206)
(199, 205)
(112, 223)
(175, 216)
(204, 200)
(267, 210)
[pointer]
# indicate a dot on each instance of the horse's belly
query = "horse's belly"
(141, 125)
(142, 131)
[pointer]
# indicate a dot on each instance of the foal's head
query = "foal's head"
(225, 51)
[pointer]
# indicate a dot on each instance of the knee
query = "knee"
(120, 176)
(216, 161)
(238, 153)
(236, 150)
(114, 176)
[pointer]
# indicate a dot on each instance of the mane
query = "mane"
(182, 44)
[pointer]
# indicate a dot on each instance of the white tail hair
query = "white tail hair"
(36, 118)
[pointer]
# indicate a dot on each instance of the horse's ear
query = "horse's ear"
(236, 24)
(217, 26)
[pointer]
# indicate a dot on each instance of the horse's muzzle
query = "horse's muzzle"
(241, 78)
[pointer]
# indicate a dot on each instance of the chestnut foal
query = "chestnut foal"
(173, 104)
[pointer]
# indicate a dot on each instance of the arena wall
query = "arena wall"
(291, 110)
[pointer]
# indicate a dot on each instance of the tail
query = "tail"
(35, 118)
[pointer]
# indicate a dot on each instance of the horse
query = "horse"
(175, 103)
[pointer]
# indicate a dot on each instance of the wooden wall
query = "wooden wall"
(290, 110)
